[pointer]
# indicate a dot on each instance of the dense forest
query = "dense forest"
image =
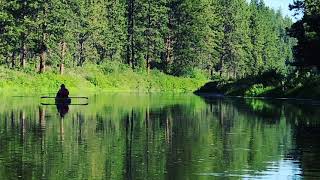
(233, 38)
(307, 32)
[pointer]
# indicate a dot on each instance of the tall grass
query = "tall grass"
(110, 77)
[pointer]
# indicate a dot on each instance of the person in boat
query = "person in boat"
(63, 92)
(63, 95)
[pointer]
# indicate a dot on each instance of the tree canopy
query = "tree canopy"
(307, 32)
(232, 38)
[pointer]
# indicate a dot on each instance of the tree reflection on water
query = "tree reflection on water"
(125, 136)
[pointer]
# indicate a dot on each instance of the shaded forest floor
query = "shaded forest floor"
(94, 78)
(267, 85)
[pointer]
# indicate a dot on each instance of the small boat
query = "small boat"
(73, 97)
(65, 101)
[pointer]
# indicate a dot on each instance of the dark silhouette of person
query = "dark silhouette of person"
(63, 109)
(63, 92)
(63, 100)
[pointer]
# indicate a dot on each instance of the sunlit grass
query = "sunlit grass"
(91, 78)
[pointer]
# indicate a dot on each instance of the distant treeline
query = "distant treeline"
(233, 38)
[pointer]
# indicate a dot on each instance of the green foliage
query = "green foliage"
(194, 73)
(232, 38)
(107, 77)
(302, 84)
(257, 90)
(115, 67)
(307, 32)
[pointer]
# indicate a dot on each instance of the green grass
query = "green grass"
(301, 87)
(111, 77)
(309, 89)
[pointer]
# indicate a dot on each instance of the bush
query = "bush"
(258, 90)
(194, 73)
(114, 67)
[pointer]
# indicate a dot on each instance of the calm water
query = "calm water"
(131, 136)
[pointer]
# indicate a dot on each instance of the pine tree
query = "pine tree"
(60, 29)
(307, 32)
(235, 44)
(17, 23)
(147, 27)
(257, 31)
(191, 36)
(232, 37)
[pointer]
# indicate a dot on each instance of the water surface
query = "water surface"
(159, 136)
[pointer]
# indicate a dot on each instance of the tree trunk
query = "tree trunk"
(169, 48)
(128, 54)
(43, 46)
(81, 54)
(169, 53)
(63, 50)
(13, 60)
(148, 60)
(23, 55)
(61, 69)
(43, 55)
(130, 45)
(7, 62)
(221, 66)
(148, 38)
(23, 50)
(132, 42)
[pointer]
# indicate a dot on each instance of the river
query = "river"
(159, 136)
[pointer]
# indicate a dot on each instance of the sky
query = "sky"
(283, 4)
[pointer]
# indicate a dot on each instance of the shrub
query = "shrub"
(110, 67)
(194, 73)
(258, 90)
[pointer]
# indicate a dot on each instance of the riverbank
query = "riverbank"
(298, 88)
(94, 78)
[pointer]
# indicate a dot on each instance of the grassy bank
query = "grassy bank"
(92, 78)
(302, 86)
